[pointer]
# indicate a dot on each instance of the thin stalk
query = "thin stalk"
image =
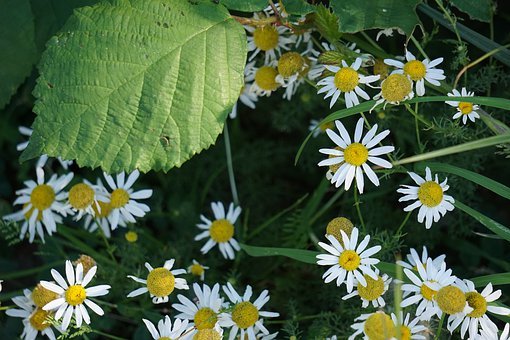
(421, 119)
(230, 167)
(371, 41)
(440, 327)
(403, 223)
(450, 19)
(109, 336)
(357, 204)
(418, 46)
(105, 240)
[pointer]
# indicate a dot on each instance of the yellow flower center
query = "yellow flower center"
(75, 295)
(373, 290)
(415, 69)
(81, 196)
(356, 154)
(349, 260)
(337, 224)
(197, 269)
(42, 197)
(221, 230)
(405, 333)
(451, 300)
(266, 37)
(465, 108)
(476, 301)
(104, 209)
(207, 334)
(427, 293)
(380, 68)
(379, 326)
(41, 296)
(119, 198)
(430, 194)
(290, 63)
(164, 338)
(205, 318)
(160, 282)
(131, 236)
(245, 314)
(325, 126)
(265, 78)
(346, 79)
(86, 261)
(396, 87)
(38, 319)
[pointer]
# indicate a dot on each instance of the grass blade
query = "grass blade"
(492, 225)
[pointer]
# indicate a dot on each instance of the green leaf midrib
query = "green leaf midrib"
(144, 69)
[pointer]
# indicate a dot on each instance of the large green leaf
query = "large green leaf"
(138, 84)
(477, 9)
(245, 5)
(297, 7)
(17, 49)
(360, 15)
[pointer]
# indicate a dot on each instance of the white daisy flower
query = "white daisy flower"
(259, 334)
(44, 158)
(292, 69)
(489, 335)
(160, 282)
(221, 230)
(419, 71)
(263, 79)
(409, 329)
(245, 314)
(413, 259)
(269, 39)
(478, 316)
(102, 213)
(372, 292)
(42, 205)
(348, 161)
(319, 128)
(123, 199)
(346, 79)
(73, 297)
(430, 197)
(464, 109)
(83, 199)
(197, 269)
(248, 97)
(425, 287)
(165, 329)
(376, 325)
(395, 88)
(205, 312)
(349, 263)
(34, 318)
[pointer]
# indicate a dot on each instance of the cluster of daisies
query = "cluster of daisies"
(54, 307)
(45, 201)
(431, 291)
(350, 160)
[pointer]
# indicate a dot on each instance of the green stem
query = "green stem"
(230, 167)
(440, 327)
(7, 307)
(357, 204)
(371, 41)
(109, 336)
(418, 46)
(105, 240)
(417, 116)
(403, 223)
(450, 19)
